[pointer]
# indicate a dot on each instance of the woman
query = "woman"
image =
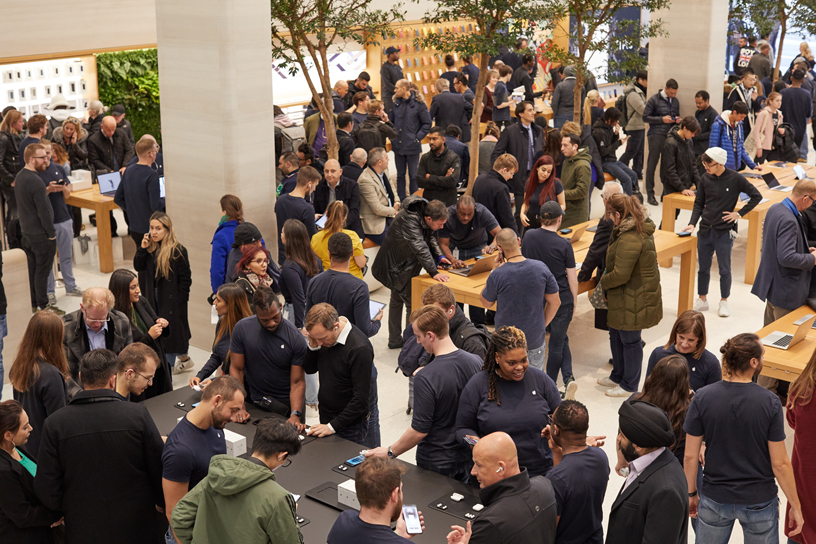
(497, 399)
(302, 264)
(166, 271)
(61, 157)
(11, 136)
(232, 214)
(688, 338)
(551, 148)
(767, 123)
(23, 519)
(232, 306)
(801, 415)
(487, 99)
(631, 284)
(146, 326)
(73, 138)
(486, 145)
(39, 372)
(593, 108)
(336, 215)
(542, 186)
(252, 271)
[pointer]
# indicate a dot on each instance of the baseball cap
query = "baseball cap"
(717, 154)
(118, 109)
(246, 233)
(550, 210)
(391, 50)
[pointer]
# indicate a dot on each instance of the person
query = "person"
(345, 125)
(450, 72)
(273, 375)
(797, 106)
(486, 145)
(744, 55)
(23, 518)
(336, 217)
(126, 448)
(37, 128)
(799, 414)
(745, 91)
(136, 369)
(232, 215)
(579, 476)
(661, 112)
(11, 135)
(635, 127)
(706, 115)
(165, 267)
(344, 357)
(246, 235)
(631, 284)
(360, 84)
(139, 192)
(118, 113)
(487, 101)
(727, 134)
(520, 506)
(768, 124)
(501, 100)
(678, 170)
(652, 505)
(243, 493)
(576, 177)
(377, 203)
(356, 164)
(449, 107)
(158, 162)
(714, 203)
(73, 139)
(584, 132)
(760, 62)
(409, 247)
(109, 149)
(491, 191)
(563, 98)
(253, 272)
(375, 130)
(471, 71)
(606, 134)
(520, 140)
(359, 108)
(453, 141)
(307, 156)
(439, 169)
(437, 389)
(336, 187)
(593, 108)
(95, 117)
(412, 122)
(295, 205)
(736, 414)
(300, 267)
(289, 165)
(36, 225)
(545, 245)
(390, 75)
(198, 437)
(542, 186)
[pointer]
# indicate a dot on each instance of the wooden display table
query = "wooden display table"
(788, 364)
(102, 206)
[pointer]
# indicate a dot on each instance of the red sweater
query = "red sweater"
(802, 419)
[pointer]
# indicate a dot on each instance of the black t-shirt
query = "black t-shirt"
(535, 199)
(188, 450)
(348, 294)
(736, 421)
(55, 172)
(703, 371)
(579, 482)
(471, 235)
(554, 251)
(293, 207)
(348, 528)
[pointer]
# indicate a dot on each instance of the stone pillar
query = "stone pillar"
(217, 127)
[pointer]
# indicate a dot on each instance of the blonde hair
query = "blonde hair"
(804, 48)
(98, 297)
(9, 121)
(168, 249)
(590, 100)
(336, 215)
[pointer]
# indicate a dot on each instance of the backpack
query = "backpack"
(368, 137)
(290, 137)
(620, 103)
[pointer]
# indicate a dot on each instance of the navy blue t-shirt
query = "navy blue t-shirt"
(268, 356)
(579, 482)
(437, 388)
(293, 207)
(535, 199)
(27, 141)
(139, 194)
(500, 97)
(555, 252)
(187, 452)
(348, 294)
(471, 235)
(736, 421)
(703, 371)
(348, 528)
(519, 289)
(55, 172)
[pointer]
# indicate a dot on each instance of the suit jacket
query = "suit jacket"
(515, 140)
(654, 508)
(449, 108)
(374, 198)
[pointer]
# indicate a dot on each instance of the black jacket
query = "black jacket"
(596, 255)
(163, 379)
(412, 123)
(346, 191)
(515, 140)
(677, 168)
(706, 119)
(23, 518)
(440, 185)
(346, 148)
(100, 464)
(9, 157)
(46, 396)
(3, 303)
(448, 108)
(808, 221)
(373, 133)
(656, 108)
(93, 125)
(101, 152)
(409, 246)
(518, 509)
(172, 294)
(353, 170)
(654, 508)
(491, 191)
(594, 154)
(75, 339)
(608, 142)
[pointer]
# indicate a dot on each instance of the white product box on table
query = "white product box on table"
(236, 443)
(347, 494)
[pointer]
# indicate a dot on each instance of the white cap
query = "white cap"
(717, 154)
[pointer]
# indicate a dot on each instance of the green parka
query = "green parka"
(576, 176)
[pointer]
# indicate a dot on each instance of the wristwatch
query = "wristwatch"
(297, 413)
(693, 494)
(391, 453)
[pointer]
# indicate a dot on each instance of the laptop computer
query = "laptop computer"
(783, 340)
(108, 183)
(774, 184)
(800, 173)
(577, 233)
(481, 266)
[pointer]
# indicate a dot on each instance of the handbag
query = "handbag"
(596, 297)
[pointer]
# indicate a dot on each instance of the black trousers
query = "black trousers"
(40, 257)
(519, 198)
(656, 143)
(399, 299)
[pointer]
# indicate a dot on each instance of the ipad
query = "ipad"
(161, 187)
(321, 223)
(374, 307)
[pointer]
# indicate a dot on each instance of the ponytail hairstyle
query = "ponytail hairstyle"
(627, 206)
(336, 215)
(738, 351)
(502, 341)
(667, 387)
(492, 130)
(590, 100)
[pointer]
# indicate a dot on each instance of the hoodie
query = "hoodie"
(576, 176)
(731, 139)
(635, 104)
(239, 502)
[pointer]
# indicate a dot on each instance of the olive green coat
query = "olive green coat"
(632, 278)
(576, 176)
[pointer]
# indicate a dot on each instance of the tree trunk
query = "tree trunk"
(332, 146)
(475, 122)
(577, 106)
(782, 30)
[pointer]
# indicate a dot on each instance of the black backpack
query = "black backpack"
(368, 137)
(620, 103)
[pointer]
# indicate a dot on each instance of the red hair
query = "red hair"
(247, 255)
(549, 184)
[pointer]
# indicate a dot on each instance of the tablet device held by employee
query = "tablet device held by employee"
(374, 308)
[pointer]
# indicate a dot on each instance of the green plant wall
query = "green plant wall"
(131, 78)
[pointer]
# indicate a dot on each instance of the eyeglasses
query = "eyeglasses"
(261, 261)
(94, 321)
(148, 378)
(287, 462)
(42, 158)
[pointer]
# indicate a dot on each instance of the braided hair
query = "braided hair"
(502, 341)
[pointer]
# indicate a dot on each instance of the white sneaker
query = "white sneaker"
(183, 366)
(606, 382)
(700, 305)
(618, 391)
(570, 390)
(723, 312)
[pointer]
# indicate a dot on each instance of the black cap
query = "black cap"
(246, 233)
(550, 210)
(118, 109)
(391, 50)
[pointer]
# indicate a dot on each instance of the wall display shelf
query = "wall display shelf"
(30, 86)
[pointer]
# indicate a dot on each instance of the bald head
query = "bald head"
(332, 171)
(108, 125)
(495, 458)
(341, 87)
(359, 156)
(804, 194)
(507, 240)
(611, 188)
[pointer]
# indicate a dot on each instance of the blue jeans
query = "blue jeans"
(634, 151)
(708, 243)
(372, 438)
(3, 334)
(312, 383)
(356, 433)
(760, 522)
(560, 357)
(803, 149)
(477, 315)
(171, 358)
(410, 163)
(379, 238)
(627, 358)
(537, 356)
(625, 175)
(65, 247)
(460, 471)
(559, 120)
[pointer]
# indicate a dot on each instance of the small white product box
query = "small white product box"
(347, 494)
(236, 443)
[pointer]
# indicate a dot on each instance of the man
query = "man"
(544, 244)
(359, 85)
(410, 246)
(37, 225)
(243, 493)
(563, 98)
(579, 476)
(197, 438)
(334, 186)
(471, 71)
(522, 78)
(460, 85)
(158, 161)
(491, 191)
(706, 115)
(109, 150)
(136, 368)
(95, 325)
(596, 255)
(356, 165)
(95, 111)
(339, 91)
(661, 112)
(289, 165)
(760, 62)
(576, 177)
(390, 74)
(501, 97)
(450, 72)
(606, 134)
(345, 124)
(439, 169)
(359, 108)
(522, 302)
(635, 128)
(139, 193)
(412, 122)
(295, 205)
(37, 127)
(344, 358)
(518, 509)
(315, 128)
(375, 130)
(797, 106)
(436, 399)
(745, 91)
(449, 108)
(743, 58)
(118, 113)
(100, 464)
(377, 203)
(727, 134)
(453, 137)
(652, 506)
(307, 156)
(584, 132)
(678, 172)
(522, 140)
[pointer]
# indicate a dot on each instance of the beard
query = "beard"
(218, 421)
(397, 511)
(629, 453)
